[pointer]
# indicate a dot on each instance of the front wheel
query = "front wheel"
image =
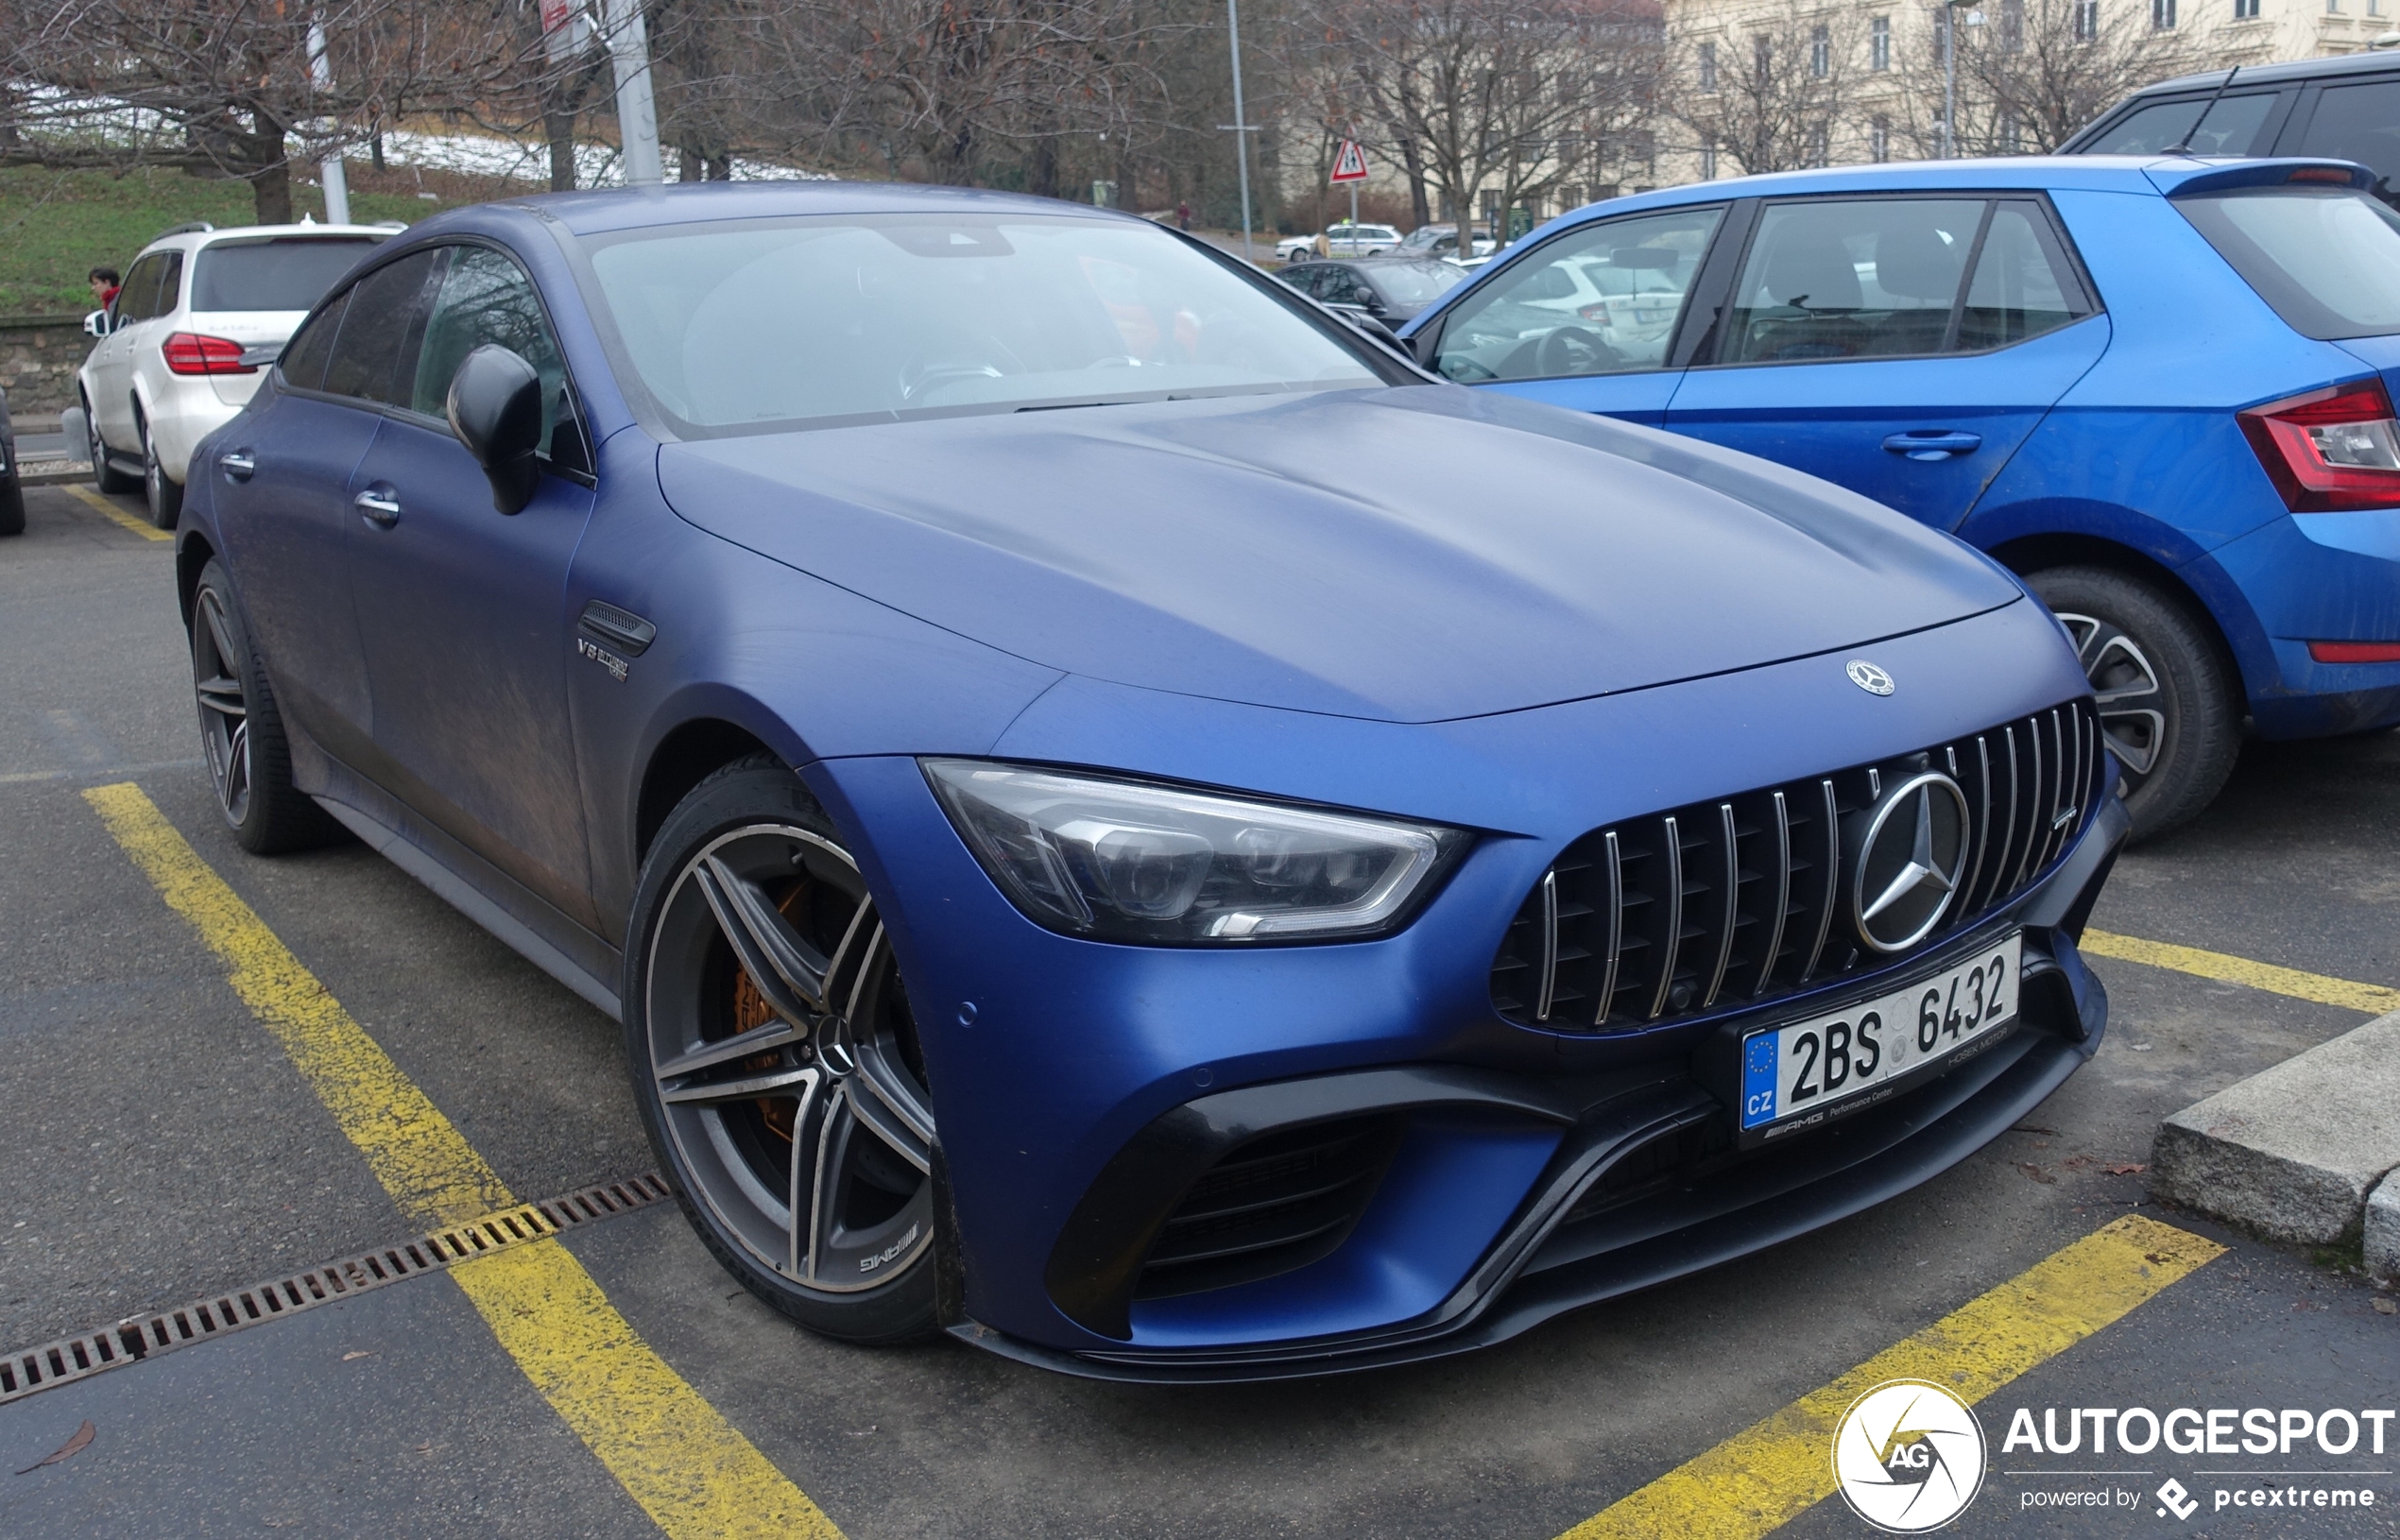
(2166, 703)
(775, 1061)
(249, 759)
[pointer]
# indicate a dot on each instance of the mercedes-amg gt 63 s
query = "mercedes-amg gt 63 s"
(1104, 836)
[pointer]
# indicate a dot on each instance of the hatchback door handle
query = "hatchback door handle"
(236, 464)
(379, 505)
(1933, 444)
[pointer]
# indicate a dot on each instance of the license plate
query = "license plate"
(1791, 1075)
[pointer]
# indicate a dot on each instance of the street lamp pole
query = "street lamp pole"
(1949, 78)
(1240, 122)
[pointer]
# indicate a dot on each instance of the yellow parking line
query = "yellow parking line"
(2372, 998)
(139, 526)
(676, 1455)
(1771, 1473)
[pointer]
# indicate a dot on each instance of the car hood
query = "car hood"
(1407, 553)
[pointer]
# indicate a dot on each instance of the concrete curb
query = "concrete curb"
(2293, 1153)
(2383, 1230)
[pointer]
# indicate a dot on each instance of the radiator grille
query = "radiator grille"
(1736, 902)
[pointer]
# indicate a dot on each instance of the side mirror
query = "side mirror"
(97, 324)
(495, 409)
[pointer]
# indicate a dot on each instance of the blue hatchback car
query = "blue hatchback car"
(2157, 389)
(1102, 836)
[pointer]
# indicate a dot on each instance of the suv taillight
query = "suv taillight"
(189, 352)
(2331, 448)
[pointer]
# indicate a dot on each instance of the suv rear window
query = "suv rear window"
(2231, 127)
(282, 273)
(2328, 260)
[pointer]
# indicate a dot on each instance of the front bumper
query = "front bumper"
(1517, 1172)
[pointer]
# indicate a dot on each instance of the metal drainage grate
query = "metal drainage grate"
(145, 1336)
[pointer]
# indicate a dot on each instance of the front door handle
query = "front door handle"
(1933, 444)
(237, 464)
(379, 505)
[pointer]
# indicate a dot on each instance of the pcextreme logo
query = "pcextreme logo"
(1908, 1456)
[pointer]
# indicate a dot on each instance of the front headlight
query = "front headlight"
(1122, 861)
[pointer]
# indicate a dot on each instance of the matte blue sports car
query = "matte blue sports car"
(1102, 834)
(2158, 388)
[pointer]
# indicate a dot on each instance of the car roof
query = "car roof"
(2373, 61)
(604, 211)
(2153, 175)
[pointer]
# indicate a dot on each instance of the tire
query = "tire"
(748, 864)
(11, 506)
(2169, 710)
(243, 743)
(104, 475)
(161, 493)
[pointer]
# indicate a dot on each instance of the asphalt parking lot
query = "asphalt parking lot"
(160, 1145)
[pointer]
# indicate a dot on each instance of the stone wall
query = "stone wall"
(39, 356)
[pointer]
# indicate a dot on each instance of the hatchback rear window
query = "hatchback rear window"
(2327, 260)
(285, 273)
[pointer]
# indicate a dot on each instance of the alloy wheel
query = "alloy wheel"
(787, 1069)
(225, 726)
(2131, 700)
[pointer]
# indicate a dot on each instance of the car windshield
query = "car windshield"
(2327, 260)
(1414, 282)
(832, 319)
(286, 272)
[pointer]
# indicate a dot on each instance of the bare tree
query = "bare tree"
(1770, 91)
(1479, 95)
(2031, 73)
(226, 86)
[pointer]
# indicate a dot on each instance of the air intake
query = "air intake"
(1271, 1205)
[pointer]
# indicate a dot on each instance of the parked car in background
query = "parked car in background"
(1348, 240)
(2159, 391)
(1119, 819)
(1390, 289)
(1442, 241)
(2343, 109)
(11, 490)
(201, 311)
(1295, 247)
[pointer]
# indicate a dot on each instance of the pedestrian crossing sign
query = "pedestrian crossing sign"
(1350, 164)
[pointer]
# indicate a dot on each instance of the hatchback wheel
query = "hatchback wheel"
(164, 497)
(2166, 706)
(249, 761)
(107, 477)
(775, 1061)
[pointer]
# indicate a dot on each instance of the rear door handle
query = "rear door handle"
(1933, 444)
(379, 505)
(236, 464)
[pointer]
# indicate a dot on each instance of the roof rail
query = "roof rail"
(197, 226)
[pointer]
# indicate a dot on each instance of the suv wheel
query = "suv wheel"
(163, 494)
(107, 477)
(2166, 703)
(776, 1062)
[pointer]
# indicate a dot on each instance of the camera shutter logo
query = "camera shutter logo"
(1908, 1456)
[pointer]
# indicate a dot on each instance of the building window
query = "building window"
(2012, 138)
(1708, 66)
(1880, 139)
(1880, 41)
(2333, 7)
(1821, 52)
(2011, 26)
(1816, 155)
(1570, 196)
(1708, 160)
(2245, 11)
(1761, 55)
(2087, 20)
(1491, 209)
(2162, 14)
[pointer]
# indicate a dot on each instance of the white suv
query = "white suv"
(201, 311)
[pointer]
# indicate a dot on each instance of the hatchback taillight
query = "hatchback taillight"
(189, 352)
(2331, 448)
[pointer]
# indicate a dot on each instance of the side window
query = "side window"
(1600, 299)
(1339, 286)
(2357, 123)
(303, 360)
(381, 316)
(2023, 283)
(2231, 128)
(1853, 277)
(170, 285)
(485, 298)
(141, 286)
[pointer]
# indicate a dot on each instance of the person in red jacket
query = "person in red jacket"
(104, 281)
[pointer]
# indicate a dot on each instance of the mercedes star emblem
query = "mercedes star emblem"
(1910, 861)
(1869, 677)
